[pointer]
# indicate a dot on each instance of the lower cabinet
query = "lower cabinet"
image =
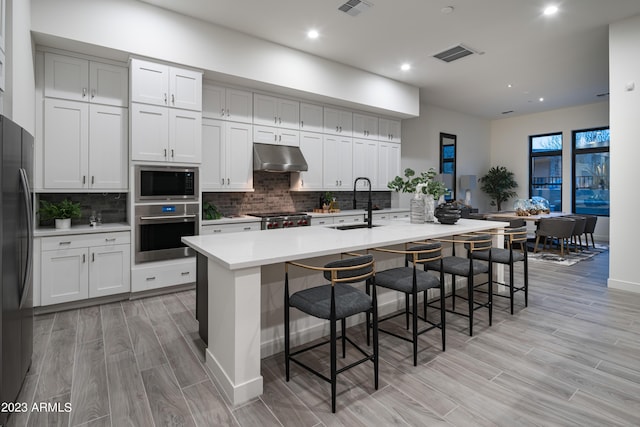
(78, 267)
(230, 228)
(155, 275)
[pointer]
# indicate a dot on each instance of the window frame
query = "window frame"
(549, 153)
(577, 151)
(451, 194)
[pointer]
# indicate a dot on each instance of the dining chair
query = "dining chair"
(560, 228)
(334, 302)
(589, 229)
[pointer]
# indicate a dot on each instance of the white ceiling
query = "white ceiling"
(561, 58)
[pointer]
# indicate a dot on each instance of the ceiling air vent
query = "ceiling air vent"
(456, 52)
(355, 7)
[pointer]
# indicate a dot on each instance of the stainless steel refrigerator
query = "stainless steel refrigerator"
(16, 262)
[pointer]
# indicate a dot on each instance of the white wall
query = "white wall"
(510, 146)
(421, 146)
(145, 30)
(624, 68)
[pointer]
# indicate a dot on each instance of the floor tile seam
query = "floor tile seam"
(106, 366)
(86, 423)
(271, 412)
(211, 377)
(355, 414)
(426, 408)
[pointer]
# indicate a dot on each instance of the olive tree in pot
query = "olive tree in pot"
(499, 183)
(61, 212)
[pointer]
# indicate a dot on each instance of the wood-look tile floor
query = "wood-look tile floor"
(572, 358)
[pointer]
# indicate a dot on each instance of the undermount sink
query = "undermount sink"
(352, 226)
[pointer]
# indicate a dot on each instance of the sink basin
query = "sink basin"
(352, 226)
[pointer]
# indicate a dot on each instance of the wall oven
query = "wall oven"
(156, 183)
(159, 229)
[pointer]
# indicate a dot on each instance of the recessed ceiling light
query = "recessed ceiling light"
(405, 67)
(313, 34)
(551, 10)
(509, 85)
(541, 99)
(446, 10)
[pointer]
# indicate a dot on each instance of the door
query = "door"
(66, 77)
(265, 111)
(149, 83)
(311, 118)
(213, 102)
(311, 147)
(288, 114)
(149, 132)
(345, 163)
(185, 136)
(213, 155)
(109, 84)
(239, 105)
(108, 147)
(239, 154)
(109, 271)
(64, 276)
(185, 87)
(365, 162)
(330, 162)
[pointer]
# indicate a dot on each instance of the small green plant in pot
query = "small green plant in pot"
(499, 183)
(410, 181)
(61, 212)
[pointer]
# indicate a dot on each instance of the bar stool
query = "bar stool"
(468, 267)
(410, 281)
(335, 301)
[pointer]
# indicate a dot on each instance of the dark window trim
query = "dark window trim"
(443, 135)
(551, 153)
(575, 151)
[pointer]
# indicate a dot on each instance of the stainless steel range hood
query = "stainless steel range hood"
(278, 158)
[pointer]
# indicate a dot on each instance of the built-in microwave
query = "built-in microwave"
(155, 183)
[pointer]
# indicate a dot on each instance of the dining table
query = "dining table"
(509, 215)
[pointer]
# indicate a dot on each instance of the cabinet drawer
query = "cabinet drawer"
(380, 216)
(322, 221)
(349, 219)
(399, 215)
(160, 275)
(85, 240)
(230, 228)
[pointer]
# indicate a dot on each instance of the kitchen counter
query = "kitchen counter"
(81, 229)
(235, 272)
(347, 212)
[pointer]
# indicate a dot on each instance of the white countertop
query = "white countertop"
(81, 229)
(255, 248)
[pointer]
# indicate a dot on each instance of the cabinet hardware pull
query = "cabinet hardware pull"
(228, 115)
(173, 99)
(279, 120)
(279, 138)
(247, 228)
(165, 152)
(93, 257)
(275, 120)
(84, 92)
(184, 273)
(228, 181)
(146, 218)
(301, 123)
(165, 98)
(64, 243)
(222, 181)
(340, 128)
(93, 179)
(84, 179)
(172, 153)
(150, 278)
(84, 258)
(93, 93)
(275, 137)
(222, 112)
(217, 231)
(336, 182)
(113, 239)
(302, 182)
(336, 128)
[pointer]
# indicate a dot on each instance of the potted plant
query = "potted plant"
(411, 181)
(498, 183)
(210, 211)
(61, 212)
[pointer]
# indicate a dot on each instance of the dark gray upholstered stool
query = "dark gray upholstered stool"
(515, 240)
(335, 301)
(410, 280)
(468, 266)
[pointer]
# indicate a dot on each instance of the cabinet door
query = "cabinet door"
(149, 132)
(109, 270)
(265, 111)
(345, 163)
(388, 163)
(108, 147)
(149, 83)
(265, 134)
(311, 118)
(109, 84)
(214, 102)
(185, 136)
(64, 276)
(289, 137)
(239, 105)
(239, 154)
(66, 77)
(213, 155)
(338, 122)
(185, 88)
(389, 130)
(288, 114)
(311, 147)
(365, 162)
(365, 126)
(66, 140)
(330, 162)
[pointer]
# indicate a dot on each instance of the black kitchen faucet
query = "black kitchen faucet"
(369, 205)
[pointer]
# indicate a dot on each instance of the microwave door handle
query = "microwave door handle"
(164, 217)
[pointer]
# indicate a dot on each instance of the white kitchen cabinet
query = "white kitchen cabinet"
(230, 228)
(163, 85)
(311, 117)
(348, 219)
(389, 130)
(321, 220)
(224, 103)
(277, 136)
(154, 275)
(311, 148)
(227, 156)
(365, 126)
(84, 266)
(365, 162)
(80, 79)
(388, 163)
(337, 159)
(85, 146)
(338, 122)
(161, 134)
(272, 111)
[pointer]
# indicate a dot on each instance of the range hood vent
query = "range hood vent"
(455, 53)
(354, 7)
(278, 158)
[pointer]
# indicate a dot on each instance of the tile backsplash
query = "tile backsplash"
(271, 194)
(112, 206)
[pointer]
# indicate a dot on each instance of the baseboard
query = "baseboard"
(623, 285)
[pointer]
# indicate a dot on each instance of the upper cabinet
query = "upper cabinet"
(159, 84)
(80, 79)
(224, 103)
(311, 118)
(272, 111)
(365, 126)
(389, 130)
(338, 122)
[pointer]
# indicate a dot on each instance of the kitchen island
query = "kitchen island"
(239, 266)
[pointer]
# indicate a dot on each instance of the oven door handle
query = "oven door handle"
(165, 217)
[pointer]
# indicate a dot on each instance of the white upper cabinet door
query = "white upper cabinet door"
(345, 163)
(109, 270)
(108, 147)
(272, 111)
(365, 162)
(311, 147)
(239, 154)
(289, 137)
(239, 105)
(149, 133)
(66, 77)
(388, 163)
(265, 134)
(213, 155)
(109, 84)
(390, 130)
(311, 118)
(149, 82)
(66, 140)
(288, 114)
(214, 104)
(338, 122)
(185, 87)
(185, 136)
(365, 126)
(330, 162)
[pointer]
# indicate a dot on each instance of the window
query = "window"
(448, 163)
(591, 171)
(545, 171)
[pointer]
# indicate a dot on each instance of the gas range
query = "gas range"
(274, 220)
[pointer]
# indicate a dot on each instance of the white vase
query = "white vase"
(416, 214)
(429, 208)
(63, 223)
